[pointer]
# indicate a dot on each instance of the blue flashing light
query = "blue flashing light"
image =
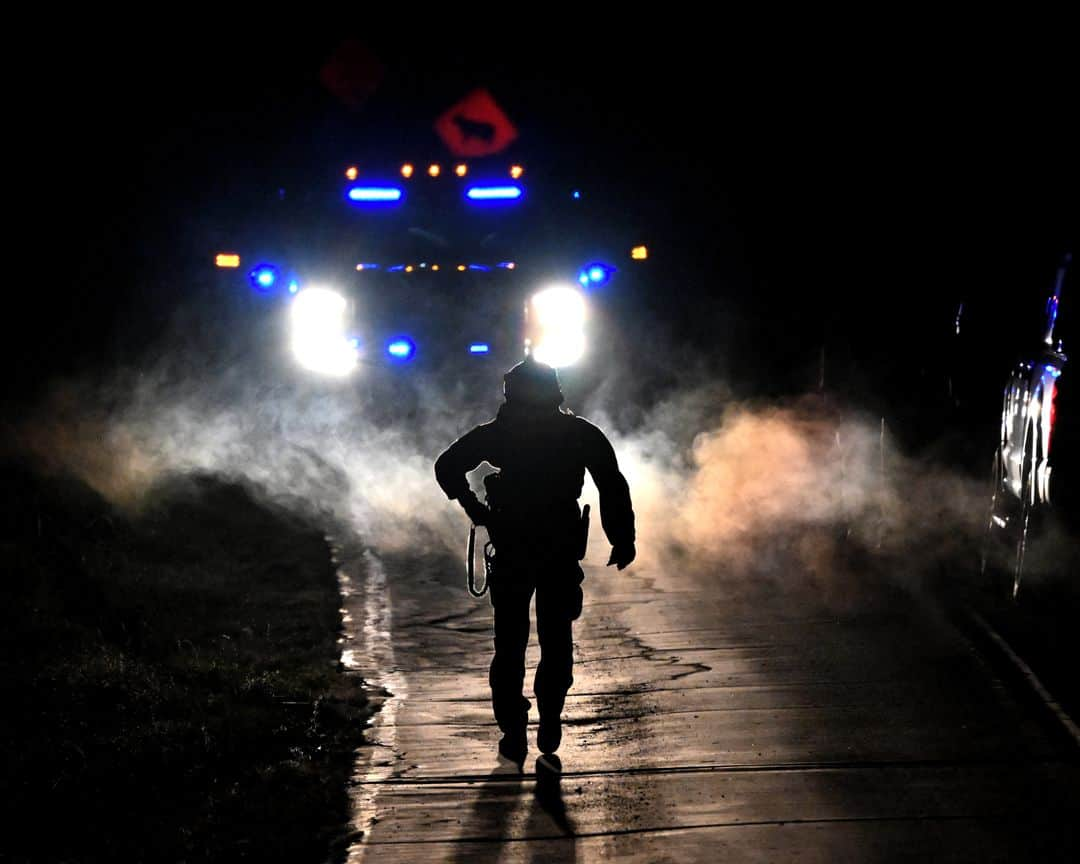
(482, 267)
(596, 274)
(294, 286)
(1053, 370)
(494, 193)
(366, 266)
(396, 268)
(401, 349)
(263, 277)
(479, 348)
(576, 194)
(355, 342)
(375, 194)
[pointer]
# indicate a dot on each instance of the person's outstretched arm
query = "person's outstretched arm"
(459, 459)
(616, 510)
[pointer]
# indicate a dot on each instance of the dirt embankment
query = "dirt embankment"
(171, 684)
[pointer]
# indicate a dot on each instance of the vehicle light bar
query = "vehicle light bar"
(479, 348)
(494, 193)
(375, 193)
(226, 259)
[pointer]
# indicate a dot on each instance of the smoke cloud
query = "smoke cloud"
(718, 482)
(717, 479)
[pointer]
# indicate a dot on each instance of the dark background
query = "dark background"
(835, 182)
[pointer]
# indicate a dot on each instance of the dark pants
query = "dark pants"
(558, 604)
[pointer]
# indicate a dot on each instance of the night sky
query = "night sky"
(843, 180)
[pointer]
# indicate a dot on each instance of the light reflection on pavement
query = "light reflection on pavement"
(743, 716)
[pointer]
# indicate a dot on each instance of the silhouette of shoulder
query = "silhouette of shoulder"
(594, 442)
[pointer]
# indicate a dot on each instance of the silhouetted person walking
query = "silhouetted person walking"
(535, 524)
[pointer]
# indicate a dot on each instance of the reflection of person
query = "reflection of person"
(541, 452)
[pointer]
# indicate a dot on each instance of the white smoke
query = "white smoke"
(713, 477)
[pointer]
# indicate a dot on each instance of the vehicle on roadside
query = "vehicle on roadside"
(1033, 487)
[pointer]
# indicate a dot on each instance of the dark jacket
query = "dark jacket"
(542, 455)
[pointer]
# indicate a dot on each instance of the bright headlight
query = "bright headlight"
(557, 325)
(317, 332)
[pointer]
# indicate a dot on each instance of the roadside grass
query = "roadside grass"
(171, 681)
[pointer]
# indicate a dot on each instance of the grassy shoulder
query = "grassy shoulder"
(172, 682)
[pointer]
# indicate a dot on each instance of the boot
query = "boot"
(549, 735)
(514, 746)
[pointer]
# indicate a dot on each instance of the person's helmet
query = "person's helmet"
(532, 383)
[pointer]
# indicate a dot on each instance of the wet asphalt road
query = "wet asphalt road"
(779, 715)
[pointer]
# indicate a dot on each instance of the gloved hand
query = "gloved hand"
(622, 555)
(479, 513)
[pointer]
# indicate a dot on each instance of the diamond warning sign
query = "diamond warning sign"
(476, 126)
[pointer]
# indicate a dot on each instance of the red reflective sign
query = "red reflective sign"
(476, 126)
